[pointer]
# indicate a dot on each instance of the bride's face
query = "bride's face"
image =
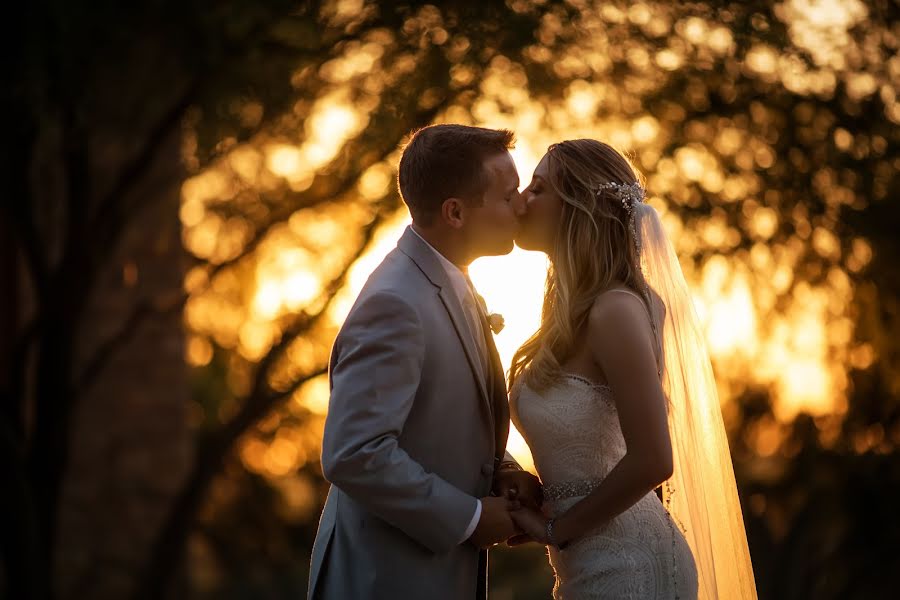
(539, 223)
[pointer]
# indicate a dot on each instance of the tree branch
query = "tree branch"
(261, 397)
(109, 210)
(168, 548)
(112, 212)
(18, 373)
(32, 247)
(105, 351)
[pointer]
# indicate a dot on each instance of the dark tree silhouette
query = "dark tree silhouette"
(96, 105)
(109, 108)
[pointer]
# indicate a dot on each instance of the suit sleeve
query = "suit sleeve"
(375, 372)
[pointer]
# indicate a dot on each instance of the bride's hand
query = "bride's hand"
(532, 523)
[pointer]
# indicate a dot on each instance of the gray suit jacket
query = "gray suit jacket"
(412, 438)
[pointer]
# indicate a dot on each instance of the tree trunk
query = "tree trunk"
(18, 543)
(130, 445)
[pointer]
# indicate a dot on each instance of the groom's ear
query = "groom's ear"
(452, 212)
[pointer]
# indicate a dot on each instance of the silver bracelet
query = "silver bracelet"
(550, 538)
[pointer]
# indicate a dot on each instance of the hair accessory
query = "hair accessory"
(629, 194)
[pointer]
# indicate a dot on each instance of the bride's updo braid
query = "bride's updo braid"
(595, 250)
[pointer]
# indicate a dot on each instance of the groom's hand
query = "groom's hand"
(495, 525)
(519, 485)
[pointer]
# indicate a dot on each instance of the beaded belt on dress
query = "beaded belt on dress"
(570, 489)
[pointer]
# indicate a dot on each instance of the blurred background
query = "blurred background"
(193, 193)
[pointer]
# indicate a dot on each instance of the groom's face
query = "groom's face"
(492, 226)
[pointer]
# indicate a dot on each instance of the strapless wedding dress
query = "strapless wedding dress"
(573, 431)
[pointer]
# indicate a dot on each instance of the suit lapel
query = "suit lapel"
(451, 303)
(498, 394)
(428, 263)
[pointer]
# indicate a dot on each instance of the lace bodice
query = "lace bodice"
(573, 431)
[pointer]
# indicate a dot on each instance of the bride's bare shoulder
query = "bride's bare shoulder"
(616, 302)
(618, 310)
(620, 333)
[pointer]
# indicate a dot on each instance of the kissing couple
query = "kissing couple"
(614, 394)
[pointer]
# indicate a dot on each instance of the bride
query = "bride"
(615, 396)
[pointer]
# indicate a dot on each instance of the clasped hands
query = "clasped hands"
(513, 514)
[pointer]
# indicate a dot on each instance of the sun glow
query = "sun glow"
(788, 354)
(771, 280)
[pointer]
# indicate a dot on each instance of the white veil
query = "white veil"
(702, 494)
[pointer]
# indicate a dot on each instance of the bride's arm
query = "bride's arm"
(621, 342)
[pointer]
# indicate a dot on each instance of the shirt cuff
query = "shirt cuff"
(473, 523)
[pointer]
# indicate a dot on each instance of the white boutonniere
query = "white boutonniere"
(495, 320)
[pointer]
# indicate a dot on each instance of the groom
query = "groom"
(418, 418)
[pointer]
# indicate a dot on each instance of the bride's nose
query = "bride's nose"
(520, 204)
(526, 198)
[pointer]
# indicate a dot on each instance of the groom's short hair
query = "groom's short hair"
(446, 161)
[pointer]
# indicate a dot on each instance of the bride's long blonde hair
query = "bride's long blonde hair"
(594, 250)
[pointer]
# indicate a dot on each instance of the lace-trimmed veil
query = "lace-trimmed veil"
(702, 494)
